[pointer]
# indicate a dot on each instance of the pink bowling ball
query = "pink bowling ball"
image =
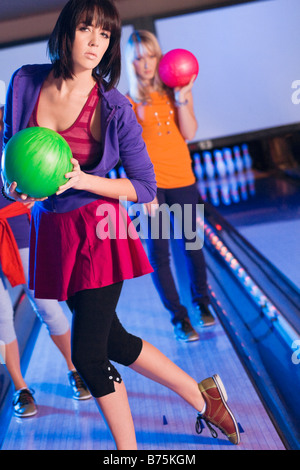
(177, 67)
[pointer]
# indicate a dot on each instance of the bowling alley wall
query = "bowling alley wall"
(248, 89)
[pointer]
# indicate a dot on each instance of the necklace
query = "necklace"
(167, 122)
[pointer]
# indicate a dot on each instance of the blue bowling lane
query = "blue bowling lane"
(263, 205)
(163, 420)
(268, 216)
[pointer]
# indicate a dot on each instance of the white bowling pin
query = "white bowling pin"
(208, 165)
(219, 164)
(239, 166)
(213, 191)
(122, 172)
(234, 190)
(242, 185)
(202, 189)
(224, 189)
(246, 157)
(228, 161)
(112, 174)
(251, 182)
(197, 166)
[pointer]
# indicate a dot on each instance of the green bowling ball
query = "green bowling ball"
(37, 159)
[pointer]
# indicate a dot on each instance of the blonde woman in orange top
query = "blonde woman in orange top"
(168, 121)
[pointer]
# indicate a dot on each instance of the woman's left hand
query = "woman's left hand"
(77, 178)
(151, 207)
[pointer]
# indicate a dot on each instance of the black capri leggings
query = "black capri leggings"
(98, 338)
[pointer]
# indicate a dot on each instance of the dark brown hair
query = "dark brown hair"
(61, 40)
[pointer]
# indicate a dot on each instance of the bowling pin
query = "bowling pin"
(122, 172)
(112, 174)
(239, 166)
(197, 166)
(243, 186)
(219, 164)
(234, 189)
(246, 157)
(213, 191)
(250, 181)
(202, 189)
(224, 190)
(227, 155)
(208, 165)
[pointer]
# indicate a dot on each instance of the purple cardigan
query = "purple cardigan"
(121, 137)
(18, 224)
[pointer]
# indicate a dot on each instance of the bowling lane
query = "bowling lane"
(269, 218)
(163, 421)
(260, 229)
(263, 206)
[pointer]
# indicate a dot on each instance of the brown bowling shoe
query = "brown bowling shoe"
(217, 412)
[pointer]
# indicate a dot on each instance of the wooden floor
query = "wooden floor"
(163, 420)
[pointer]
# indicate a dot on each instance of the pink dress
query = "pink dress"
(93, 246)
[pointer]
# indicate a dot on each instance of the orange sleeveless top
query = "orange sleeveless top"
(167, 148)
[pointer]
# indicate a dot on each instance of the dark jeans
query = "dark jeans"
(98, 337)
(159, 254)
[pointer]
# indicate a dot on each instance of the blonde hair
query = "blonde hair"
(137, 43)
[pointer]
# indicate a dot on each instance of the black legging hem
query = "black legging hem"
(98, 337)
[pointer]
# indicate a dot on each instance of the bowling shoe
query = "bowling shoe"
(23, 403)
(184, 331)
(80, 391)
(217, 412)
(204, 315)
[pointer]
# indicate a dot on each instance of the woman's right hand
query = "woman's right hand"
(10, 190)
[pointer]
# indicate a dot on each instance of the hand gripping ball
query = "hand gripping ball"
(37, 159)
(177, 67)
